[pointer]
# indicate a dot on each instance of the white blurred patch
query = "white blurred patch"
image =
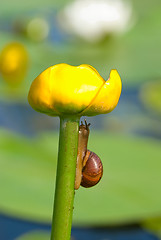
(94, 19)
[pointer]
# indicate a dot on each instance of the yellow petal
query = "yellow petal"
(39, 96)
(13, 63)
(65, 89)
(107, 97)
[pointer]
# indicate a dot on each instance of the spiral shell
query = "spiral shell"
(92, 170)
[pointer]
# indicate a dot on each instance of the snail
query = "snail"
(89, 168)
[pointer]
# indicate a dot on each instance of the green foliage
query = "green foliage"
(129, 190)
(20, 8)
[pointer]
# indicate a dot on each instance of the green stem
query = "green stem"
(66, 168)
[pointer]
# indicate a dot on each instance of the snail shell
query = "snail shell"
(92, 170)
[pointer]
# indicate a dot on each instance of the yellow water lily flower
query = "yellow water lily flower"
(74, 90)
(13, 63)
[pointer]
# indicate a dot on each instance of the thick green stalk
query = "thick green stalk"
(66, 168)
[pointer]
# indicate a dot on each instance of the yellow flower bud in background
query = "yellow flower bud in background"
(13, 63)
(68, 90)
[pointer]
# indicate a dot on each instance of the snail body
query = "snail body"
(89, 168)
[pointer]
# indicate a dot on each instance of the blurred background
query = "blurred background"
(118, 34)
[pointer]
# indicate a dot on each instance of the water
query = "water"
(130, 116)
(11, 228)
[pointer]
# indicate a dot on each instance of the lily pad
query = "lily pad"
(151, 96)
(36, 235)
(129, 190)
(153, 225)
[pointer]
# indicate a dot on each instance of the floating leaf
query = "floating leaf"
(129, 190)
(151, 96)
(35, 235)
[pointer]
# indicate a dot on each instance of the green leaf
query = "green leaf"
(129, 190)
(36, 235)
(150, 95)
